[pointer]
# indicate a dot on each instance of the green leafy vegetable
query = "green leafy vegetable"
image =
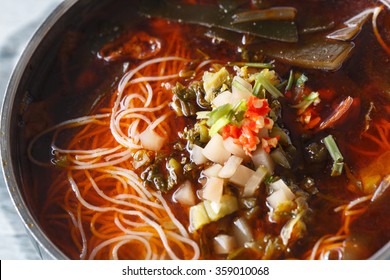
(187, 101)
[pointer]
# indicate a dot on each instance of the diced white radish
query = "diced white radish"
(150, 140)
(261, 157)
(279, 157)
(222, 99)
(230, 167)
(254, 181)
(198, 216)
(197, 155)
(215, 151)
(138, 163)
(217, 210)
(242, 231)
(276, 198)
(185, 194)
(241, 89)
(281, 193)
(212, 171)
(224, 244)
(243, 83)
(241, 176)
(280, 185)
(234, 148)
(213, 189)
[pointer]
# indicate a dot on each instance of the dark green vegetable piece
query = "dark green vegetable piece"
(316, 152)
(187, 101)
(315, 54)
(198, 135)
(274, 13)
(290, 81)
(213, 16)
(252, 64)
(231, 5)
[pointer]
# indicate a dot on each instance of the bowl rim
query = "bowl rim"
(30, 223)
(8, 103)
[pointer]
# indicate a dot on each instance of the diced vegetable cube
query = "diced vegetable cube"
(185, 194)
(281, 194)
(241, 89)
(213, 189)
(217, 210)
(151, 140)
(261, 157)
(224, 244)
(242, 231)
(197, 155)
(212, 171)
(230, 167)
(241, 176)
(254, 181)
(198, 216)
(215, 151)
(222, 99)
(234, 148)
(281, 185)
(276, 198)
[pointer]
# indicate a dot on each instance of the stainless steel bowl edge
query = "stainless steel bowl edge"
(45, 247)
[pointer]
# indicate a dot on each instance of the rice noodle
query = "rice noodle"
(103, 187)
(328, 244)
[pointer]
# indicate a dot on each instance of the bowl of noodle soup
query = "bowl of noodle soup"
(141, 130)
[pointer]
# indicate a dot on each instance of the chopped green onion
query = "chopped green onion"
(336, 155)
(257, 90)
(282, 85)
(307, 101)
(217, 113)
(290, 81)
(252, 64)
(225, 115)
(268, 86)
(202, 115)
(218, 125)
(302, 80)
(240, 86)
(240, 106)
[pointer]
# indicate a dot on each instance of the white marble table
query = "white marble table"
(18, 21)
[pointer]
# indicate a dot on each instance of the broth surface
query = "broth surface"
(83, 83)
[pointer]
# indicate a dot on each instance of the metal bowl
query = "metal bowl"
(26, 71)
(26, 77)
